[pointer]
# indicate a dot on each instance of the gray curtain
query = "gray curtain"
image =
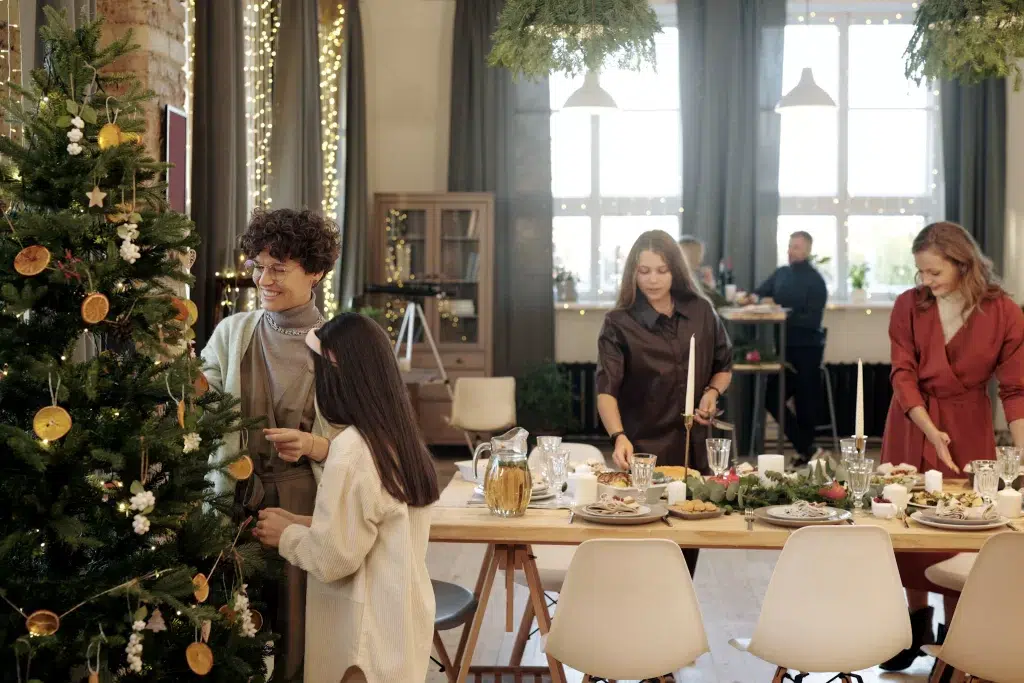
(218, 148)
(501, 143)
(295, 155)
(32, 18)
(974, 160)
(351, 271)
(730, 54)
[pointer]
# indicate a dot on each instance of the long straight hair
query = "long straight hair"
(952, 242)
(684, 285)
(358, 383)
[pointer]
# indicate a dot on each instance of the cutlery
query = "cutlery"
(724, 426)
(748, 515)
(1010, 524)
(572, 516)
(851, 522)
(665, 521)
(903, 516)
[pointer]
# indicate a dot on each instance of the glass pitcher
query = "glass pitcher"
(507, 481)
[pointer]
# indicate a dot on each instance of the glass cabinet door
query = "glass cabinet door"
(406, 257)
(459, 268)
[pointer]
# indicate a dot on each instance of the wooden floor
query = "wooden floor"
(730, 585)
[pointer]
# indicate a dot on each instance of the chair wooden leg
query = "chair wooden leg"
(940, 670)
(780, 675)
(442, 654)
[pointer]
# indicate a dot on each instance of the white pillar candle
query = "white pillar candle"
(859, 419)
(676, 492)
(1008, 503)
(933, 481)
(689, 379)
(770, 463)
(896, 493)
(586, 489)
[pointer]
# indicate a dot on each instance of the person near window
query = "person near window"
(950, 336)
(693, 252)
(259, 357)
(370, 604)
(799, 287)
(643, 356)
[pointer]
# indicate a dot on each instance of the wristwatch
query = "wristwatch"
(614, 437)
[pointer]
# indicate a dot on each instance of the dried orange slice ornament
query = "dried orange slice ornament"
(51, 423)
(42, 622)
(32, 260)
(200, 658)
(241, 469)
(95, 308)
(257, 619)
(228, 613)
(181, 414)
(202, 587)
(201, 384)
(181, 310)
(193, 312)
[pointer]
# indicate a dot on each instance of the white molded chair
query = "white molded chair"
(578, 452)
(483, 405)
(952, 573)
(835, 603)
(984, 638)
(659, 629)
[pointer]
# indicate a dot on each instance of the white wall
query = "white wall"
(408, 50)
(1013, 258)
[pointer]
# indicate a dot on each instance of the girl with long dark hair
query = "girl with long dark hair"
(369, 605)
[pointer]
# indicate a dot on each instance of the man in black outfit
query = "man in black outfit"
(800, 288)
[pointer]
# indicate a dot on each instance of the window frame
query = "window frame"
(843, 204)
(595, 207)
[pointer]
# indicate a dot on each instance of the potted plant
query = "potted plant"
(565, 284)
(859, 281)
(544, 401)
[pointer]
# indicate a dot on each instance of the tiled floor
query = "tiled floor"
(730, 585)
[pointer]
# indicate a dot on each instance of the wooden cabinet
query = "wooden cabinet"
(445, 239)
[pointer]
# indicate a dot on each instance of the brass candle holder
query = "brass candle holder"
(688, 423)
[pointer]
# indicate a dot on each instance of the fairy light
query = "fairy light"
(261, 24)
(332, 59)
(10, 54)
(189, 69)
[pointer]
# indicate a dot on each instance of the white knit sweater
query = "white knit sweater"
(369, 602)
(222, 365)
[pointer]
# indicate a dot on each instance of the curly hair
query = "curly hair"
(305, 236)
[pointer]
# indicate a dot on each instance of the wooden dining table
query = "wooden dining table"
(510, 540)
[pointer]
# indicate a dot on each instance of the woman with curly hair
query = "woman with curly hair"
(260, 358)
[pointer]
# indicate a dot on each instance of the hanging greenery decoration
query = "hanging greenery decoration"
(967, 40)
(537, 37)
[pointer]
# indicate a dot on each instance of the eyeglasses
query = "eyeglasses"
(276, 272)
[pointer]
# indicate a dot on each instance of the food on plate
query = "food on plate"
(676, 472)
(614, 505)
(744, 468)
(619, 480)
(591, 466)
(960, 509)
(692, 506)
(803, 510)
(887, 469)
(932, 498)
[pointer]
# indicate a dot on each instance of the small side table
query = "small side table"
(775, 320)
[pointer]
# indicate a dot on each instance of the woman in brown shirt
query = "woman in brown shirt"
(643, 354)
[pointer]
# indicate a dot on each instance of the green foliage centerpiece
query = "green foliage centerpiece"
(735, 493)
(967, 40)
(117, 559)
(537, 37)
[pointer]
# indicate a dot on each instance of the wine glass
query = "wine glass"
(1008, 458)
(719, 451)
(548, 445)
(859, 479)
(558, 465)
(642, 470)
(986, 478)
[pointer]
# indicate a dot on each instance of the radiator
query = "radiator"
(877, 395)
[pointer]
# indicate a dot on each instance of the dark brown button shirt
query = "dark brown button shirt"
(642, 361)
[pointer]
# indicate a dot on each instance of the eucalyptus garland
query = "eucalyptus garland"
(537, 37)
(967, 40)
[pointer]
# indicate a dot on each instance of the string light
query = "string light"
(190, 58)
(261, 24)
(11, 56)
(332, 60)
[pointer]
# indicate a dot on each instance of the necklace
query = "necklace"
(293, 331)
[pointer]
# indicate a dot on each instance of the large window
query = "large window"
(862, 179)
(616, 175)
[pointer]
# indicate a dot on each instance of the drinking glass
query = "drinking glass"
(642, 471)
(849, 451)
(719, 451)
(859, 479)
(986, 478)
(548, 445)
(558, 462)
(1009, 463)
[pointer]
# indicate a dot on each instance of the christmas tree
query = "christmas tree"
(118, 562)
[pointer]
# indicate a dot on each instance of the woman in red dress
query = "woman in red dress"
(950, 335)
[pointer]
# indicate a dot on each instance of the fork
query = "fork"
(748, 515)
